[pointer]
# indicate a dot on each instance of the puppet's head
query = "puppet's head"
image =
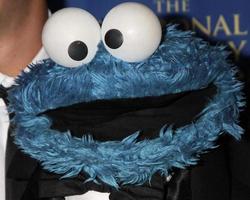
(107, 74)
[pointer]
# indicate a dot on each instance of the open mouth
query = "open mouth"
(119, 118)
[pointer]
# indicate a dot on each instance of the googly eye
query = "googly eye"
(131, 32)
(71, 36)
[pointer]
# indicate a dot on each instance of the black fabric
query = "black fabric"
(19, 170)
(222, 174)
(211, 178)
(116, 119)
(179, 187)
(155, 190)
(3, 93)
(239, 163)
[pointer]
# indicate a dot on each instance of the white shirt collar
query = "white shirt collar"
(6, 81)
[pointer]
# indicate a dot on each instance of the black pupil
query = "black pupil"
(78, 50)
(113, 38)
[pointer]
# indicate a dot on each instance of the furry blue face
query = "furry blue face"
(181, 63)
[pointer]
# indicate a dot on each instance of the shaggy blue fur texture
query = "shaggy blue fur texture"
(181, 63)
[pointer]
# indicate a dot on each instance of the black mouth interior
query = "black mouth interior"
(117, 119)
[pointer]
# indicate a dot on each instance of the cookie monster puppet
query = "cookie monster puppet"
(117, 109)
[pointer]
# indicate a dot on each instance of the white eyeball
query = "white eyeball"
(131, 32)
(71, 36)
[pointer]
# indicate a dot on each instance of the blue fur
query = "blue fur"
(181, 63)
